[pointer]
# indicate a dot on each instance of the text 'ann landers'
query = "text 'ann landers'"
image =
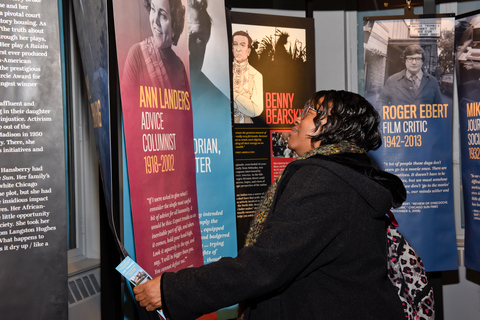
(152, 97)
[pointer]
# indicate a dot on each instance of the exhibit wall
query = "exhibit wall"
(341, 32)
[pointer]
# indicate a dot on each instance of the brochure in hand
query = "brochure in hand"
(135, 274)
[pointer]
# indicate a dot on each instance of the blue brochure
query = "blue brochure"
(135, 274)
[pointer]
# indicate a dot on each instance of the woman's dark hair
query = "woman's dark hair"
(349, 117)
(177, 12)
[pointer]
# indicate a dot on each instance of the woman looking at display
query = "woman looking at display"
(316, 248)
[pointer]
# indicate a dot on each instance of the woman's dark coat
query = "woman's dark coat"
(322, 254)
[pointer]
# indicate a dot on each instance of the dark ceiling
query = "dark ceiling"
(320, 5)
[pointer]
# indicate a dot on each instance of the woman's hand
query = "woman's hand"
(148, 294)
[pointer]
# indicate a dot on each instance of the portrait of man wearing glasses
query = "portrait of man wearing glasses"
(412, 85)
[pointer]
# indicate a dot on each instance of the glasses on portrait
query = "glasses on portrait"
(410, 59)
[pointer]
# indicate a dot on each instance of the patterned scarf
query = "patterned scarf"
(154, 62)
(263, 210)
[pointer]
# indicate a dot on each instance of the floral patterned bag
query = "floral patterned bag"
(407, 274)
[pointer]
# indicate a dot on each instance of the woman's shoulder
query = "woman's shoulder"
(338, 170)
(313, 171)
(134, 52)
(320, 162)
(135, 47)
(145, 44)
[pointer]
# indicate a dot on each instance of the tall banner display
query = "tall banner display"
(409, 67)
(467, 36)
(33, 221)
(212, 127)
(92, 32)
(152, 50)
(273, 75)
